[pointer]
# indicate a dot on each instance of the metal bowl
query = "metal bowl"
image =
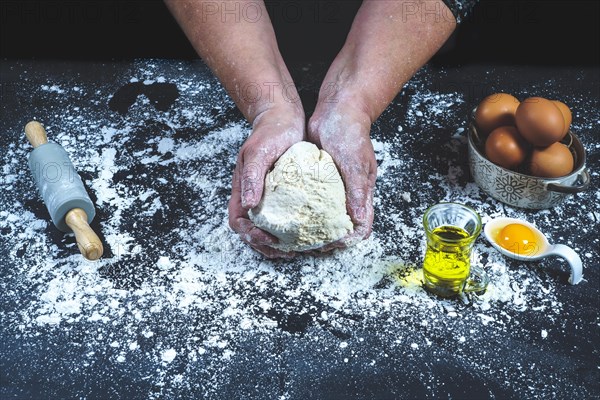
(521, 190)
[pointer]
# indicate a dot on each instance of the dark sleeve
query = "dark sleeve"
(460, 8)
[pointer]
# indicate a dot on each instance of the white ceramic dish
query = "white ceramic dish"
(492, 230)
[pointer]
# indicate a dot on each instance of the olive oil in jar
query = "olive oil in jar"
(447, 259)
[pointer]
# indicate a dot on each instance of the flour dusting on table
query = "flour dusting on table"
(178, 296)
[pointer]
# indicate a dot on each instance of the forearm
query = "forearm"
(388, 42)
(236, 40)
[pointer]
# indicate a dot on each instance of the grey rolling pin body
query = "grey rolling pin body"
(59, 184)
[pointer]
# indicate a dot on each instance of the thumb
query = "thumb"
(255, 168)
(360, 209)
(252, 180)
(360, 182)
(356, 204)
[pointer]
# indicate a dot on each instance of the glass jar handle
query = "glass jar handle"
(477, 281)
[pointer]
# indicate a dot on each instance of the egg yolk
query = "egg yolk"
(518, 239)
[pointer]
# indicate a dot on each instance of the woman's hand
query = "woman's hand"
(342, 129)
(273, 132)
(384, 48)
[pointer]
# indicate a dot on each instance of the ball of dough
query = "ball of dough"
(304, 201)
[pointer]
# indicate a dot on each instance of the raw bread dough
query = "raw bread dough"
(304, 201)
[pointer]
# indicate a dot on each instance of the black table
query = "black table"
(178, 307)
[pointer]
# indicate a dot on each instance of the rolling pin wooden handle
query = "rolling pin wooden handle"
(36, 134)
(88, 242)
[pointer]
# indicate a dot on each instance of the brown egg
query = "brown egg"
(494, 111)
(505, 147)
(566, 113)
(551, 162)
(540, 121)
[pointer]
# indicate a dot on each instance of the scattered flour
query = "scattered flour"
(177, 284)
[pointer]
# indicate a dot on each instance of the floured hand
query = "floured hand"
(342, 129)
(274, 131)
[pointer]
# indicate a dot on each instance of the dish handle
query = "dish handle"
(585, 183)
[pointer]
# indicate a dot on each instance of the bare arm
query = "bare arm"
(236, 40)
(388, 42)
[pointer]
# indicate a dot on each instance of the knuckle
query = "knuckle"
(233, 223)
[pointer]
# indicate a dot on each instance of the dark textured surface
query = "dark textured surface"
(523, 32)
(303, 354)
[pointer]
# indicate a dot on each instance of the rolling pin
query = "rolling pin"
(61, 188)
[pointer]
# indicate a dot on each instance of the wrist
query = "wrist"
(279, 113)
(282, 121)
(344, 93)
(264, 86)
(268, 97)
(342, 118)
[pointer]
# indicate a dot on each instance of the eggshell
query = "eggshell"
(494, 111)
(553, 161)
(540, 121)
(505, 147)
(567, 116)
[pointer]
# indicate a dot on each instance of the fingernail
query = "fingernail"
(248, 198)
(360, 214)
(267, 241)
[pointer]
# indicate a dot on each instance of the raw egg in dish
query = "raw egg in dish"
(494, 111)
(519, 239)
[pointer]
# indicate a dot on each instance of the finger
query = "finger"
(255, 165)
(360, 209)
(254, 235)
(338, 244)
(314, 253)
(359, 180)
(250, 234)
(252, 183)
(313, 129)
(359, 233)
(241, 224)
(256, 162)
(359, 177)
(270, 252)
(234, 207)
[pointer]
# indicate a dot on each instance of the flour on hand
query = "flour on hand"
(304, 201)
